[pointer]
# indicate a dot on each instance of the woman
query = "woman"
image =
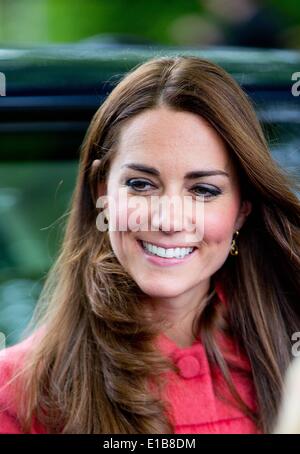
(129, 339)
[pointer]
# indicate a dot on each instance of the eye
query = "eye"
(137, 184)
(212, 192)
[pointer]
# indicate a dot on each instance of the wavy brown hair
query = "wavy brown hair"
(96, 357)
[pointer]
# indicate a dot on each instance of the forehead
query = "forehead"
(164, 137)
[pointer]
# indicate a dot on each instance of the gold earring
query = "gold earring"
(234, 249)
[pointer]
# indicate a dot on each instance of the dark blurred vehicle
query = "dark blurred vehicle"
(52, 93)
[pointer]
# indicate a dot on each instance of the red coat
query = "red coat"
(194, 405)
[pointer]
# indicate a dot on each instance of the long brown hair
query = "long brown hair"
(91, 369)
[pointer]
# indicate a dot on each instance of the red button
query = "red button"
(189, 366)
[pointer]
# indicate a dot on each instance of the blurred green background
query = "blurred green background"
(178, 22)
(33, 198)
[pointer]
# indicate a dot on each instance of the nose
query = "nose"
(170, 214)
(164, 223)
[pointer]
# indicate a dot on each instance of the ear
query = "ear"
(245, 210)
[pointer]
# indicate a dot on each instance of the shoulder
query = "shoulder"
(11, 364)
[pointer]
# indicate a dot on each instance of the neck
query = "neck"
(180, 312)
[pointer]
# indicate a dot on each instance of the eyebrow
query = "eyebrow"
(190, 175)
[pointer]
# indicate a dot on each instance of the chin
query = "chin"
(161, 290)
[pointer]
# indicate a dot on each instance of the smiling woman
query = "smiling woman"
(145, 139)
(165, 328)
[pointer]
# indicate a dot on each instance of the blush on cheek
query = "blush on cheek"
(139, 212)
(133, 216)
(118, 215)
(218, 226)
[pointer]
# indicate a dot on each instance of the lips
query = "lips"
(164, 261)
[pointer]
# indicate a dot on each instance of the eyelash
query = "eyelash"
(132, 181)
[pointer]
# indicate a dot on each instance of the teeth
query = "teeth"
(167, 253)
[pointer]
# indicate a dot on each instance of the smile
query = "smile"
(159, 256)
(178, 252)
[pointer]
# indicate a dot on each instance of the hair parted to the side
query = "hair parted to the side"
(91, 370)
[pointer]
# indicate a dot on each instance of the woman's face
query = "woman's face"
(173, 144)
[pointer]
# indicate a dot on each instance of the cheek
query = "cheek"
(118, 215)
(219, 223)
(119, 212)
(131, 214)
(122, 216)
